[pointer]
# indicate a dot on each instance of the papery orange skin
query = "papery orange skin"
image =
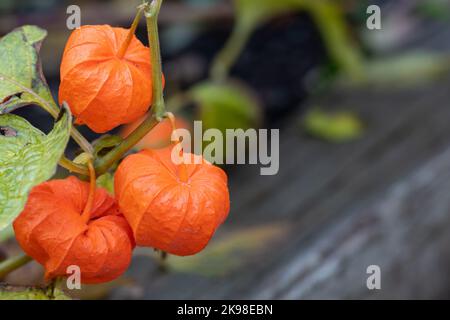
(51, 231)
(159, 137)
(102, 89)
(166, 213)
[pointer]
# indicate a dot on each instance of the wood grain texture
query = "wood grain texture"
(380, 200)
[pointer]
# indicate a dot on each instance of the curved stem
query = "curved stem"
(127, 144)
(229, 54)
(73, 167)
(182, 169)
(335, 33)
(81, 141)
(171, 117)
(77, 136)
(131, 32)
(84, 145)
(158, 106)
(151, 15)
(8, 266)
(90, 202)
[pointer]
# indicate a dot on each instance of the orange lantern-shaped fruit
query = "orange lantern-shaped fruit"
(104, 85)
(52, 231)
(174, 208)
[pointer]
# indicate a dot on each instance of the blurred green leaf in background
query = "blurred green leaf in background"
(225, 106)
(336, 127)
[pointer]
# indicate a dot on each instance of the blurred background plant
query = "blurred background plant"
(281, 51)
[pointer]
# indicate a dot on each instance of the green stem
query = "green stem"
(151, 15)
(229, 54)
(73, 167)
(81, 141)
(131, 32)
(76, 135)
(158, 106)
(12, 264)
(335, 33)
(84, 145)
(127, 144)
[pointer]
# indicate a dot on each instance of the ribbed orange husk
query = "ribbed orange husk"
(50, 230)
(102, 89)
(165, 212)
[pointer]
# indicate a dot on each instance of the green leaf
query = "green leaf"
(28, 157)
(21, 79)
(334, 127)
(408, 69)
(226, 106)
(31, 293)
(106, 181)
(336, 34)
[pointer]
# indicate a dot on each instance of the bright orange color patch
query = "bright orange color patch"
(102, 89)
(159, 136)
(173, 208)
(50, 230)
